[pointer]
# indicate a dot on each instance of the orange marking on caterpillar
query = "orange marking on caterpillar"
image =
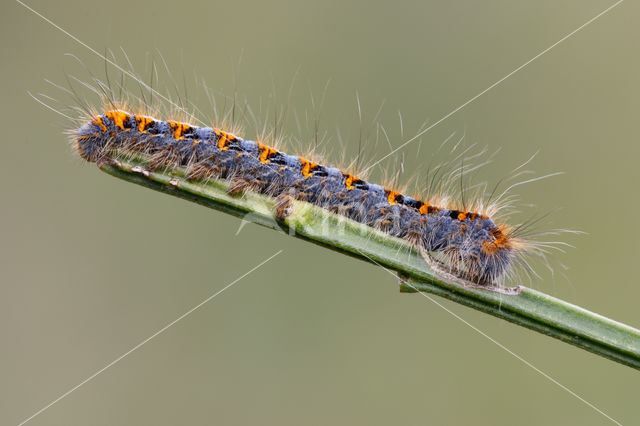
(98, 122)
(427, 208)
(462, 216)
(143, 122)
(350, 179)
(501, 240)
(178, 129)
(307, 167)
(265, 152)
(119, 118)
(223, 139)
(391, 196)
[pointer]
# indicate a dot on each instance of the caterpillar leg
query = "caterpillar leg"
(165, 157)
(202, 170)
(445, 272)
(284, 206)
(238, 187)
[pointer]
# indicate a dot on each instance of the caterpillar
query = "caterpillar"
(477, 249)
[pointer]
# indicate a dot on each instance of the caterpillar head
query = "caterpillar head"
(89, 140)
(484, 252)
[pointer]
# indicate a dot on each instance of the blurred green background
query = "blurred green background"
(91, 265)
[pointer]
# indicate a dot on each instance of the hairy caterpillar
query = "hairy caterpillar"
(476, 248)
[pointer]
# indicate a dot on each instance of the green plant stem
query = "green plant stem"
(530, 308)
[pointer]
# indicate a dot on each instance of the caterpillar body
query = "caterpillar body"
(478, 248)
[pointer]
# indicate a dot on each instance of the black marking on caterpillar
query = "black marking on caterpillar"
(478, 248)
